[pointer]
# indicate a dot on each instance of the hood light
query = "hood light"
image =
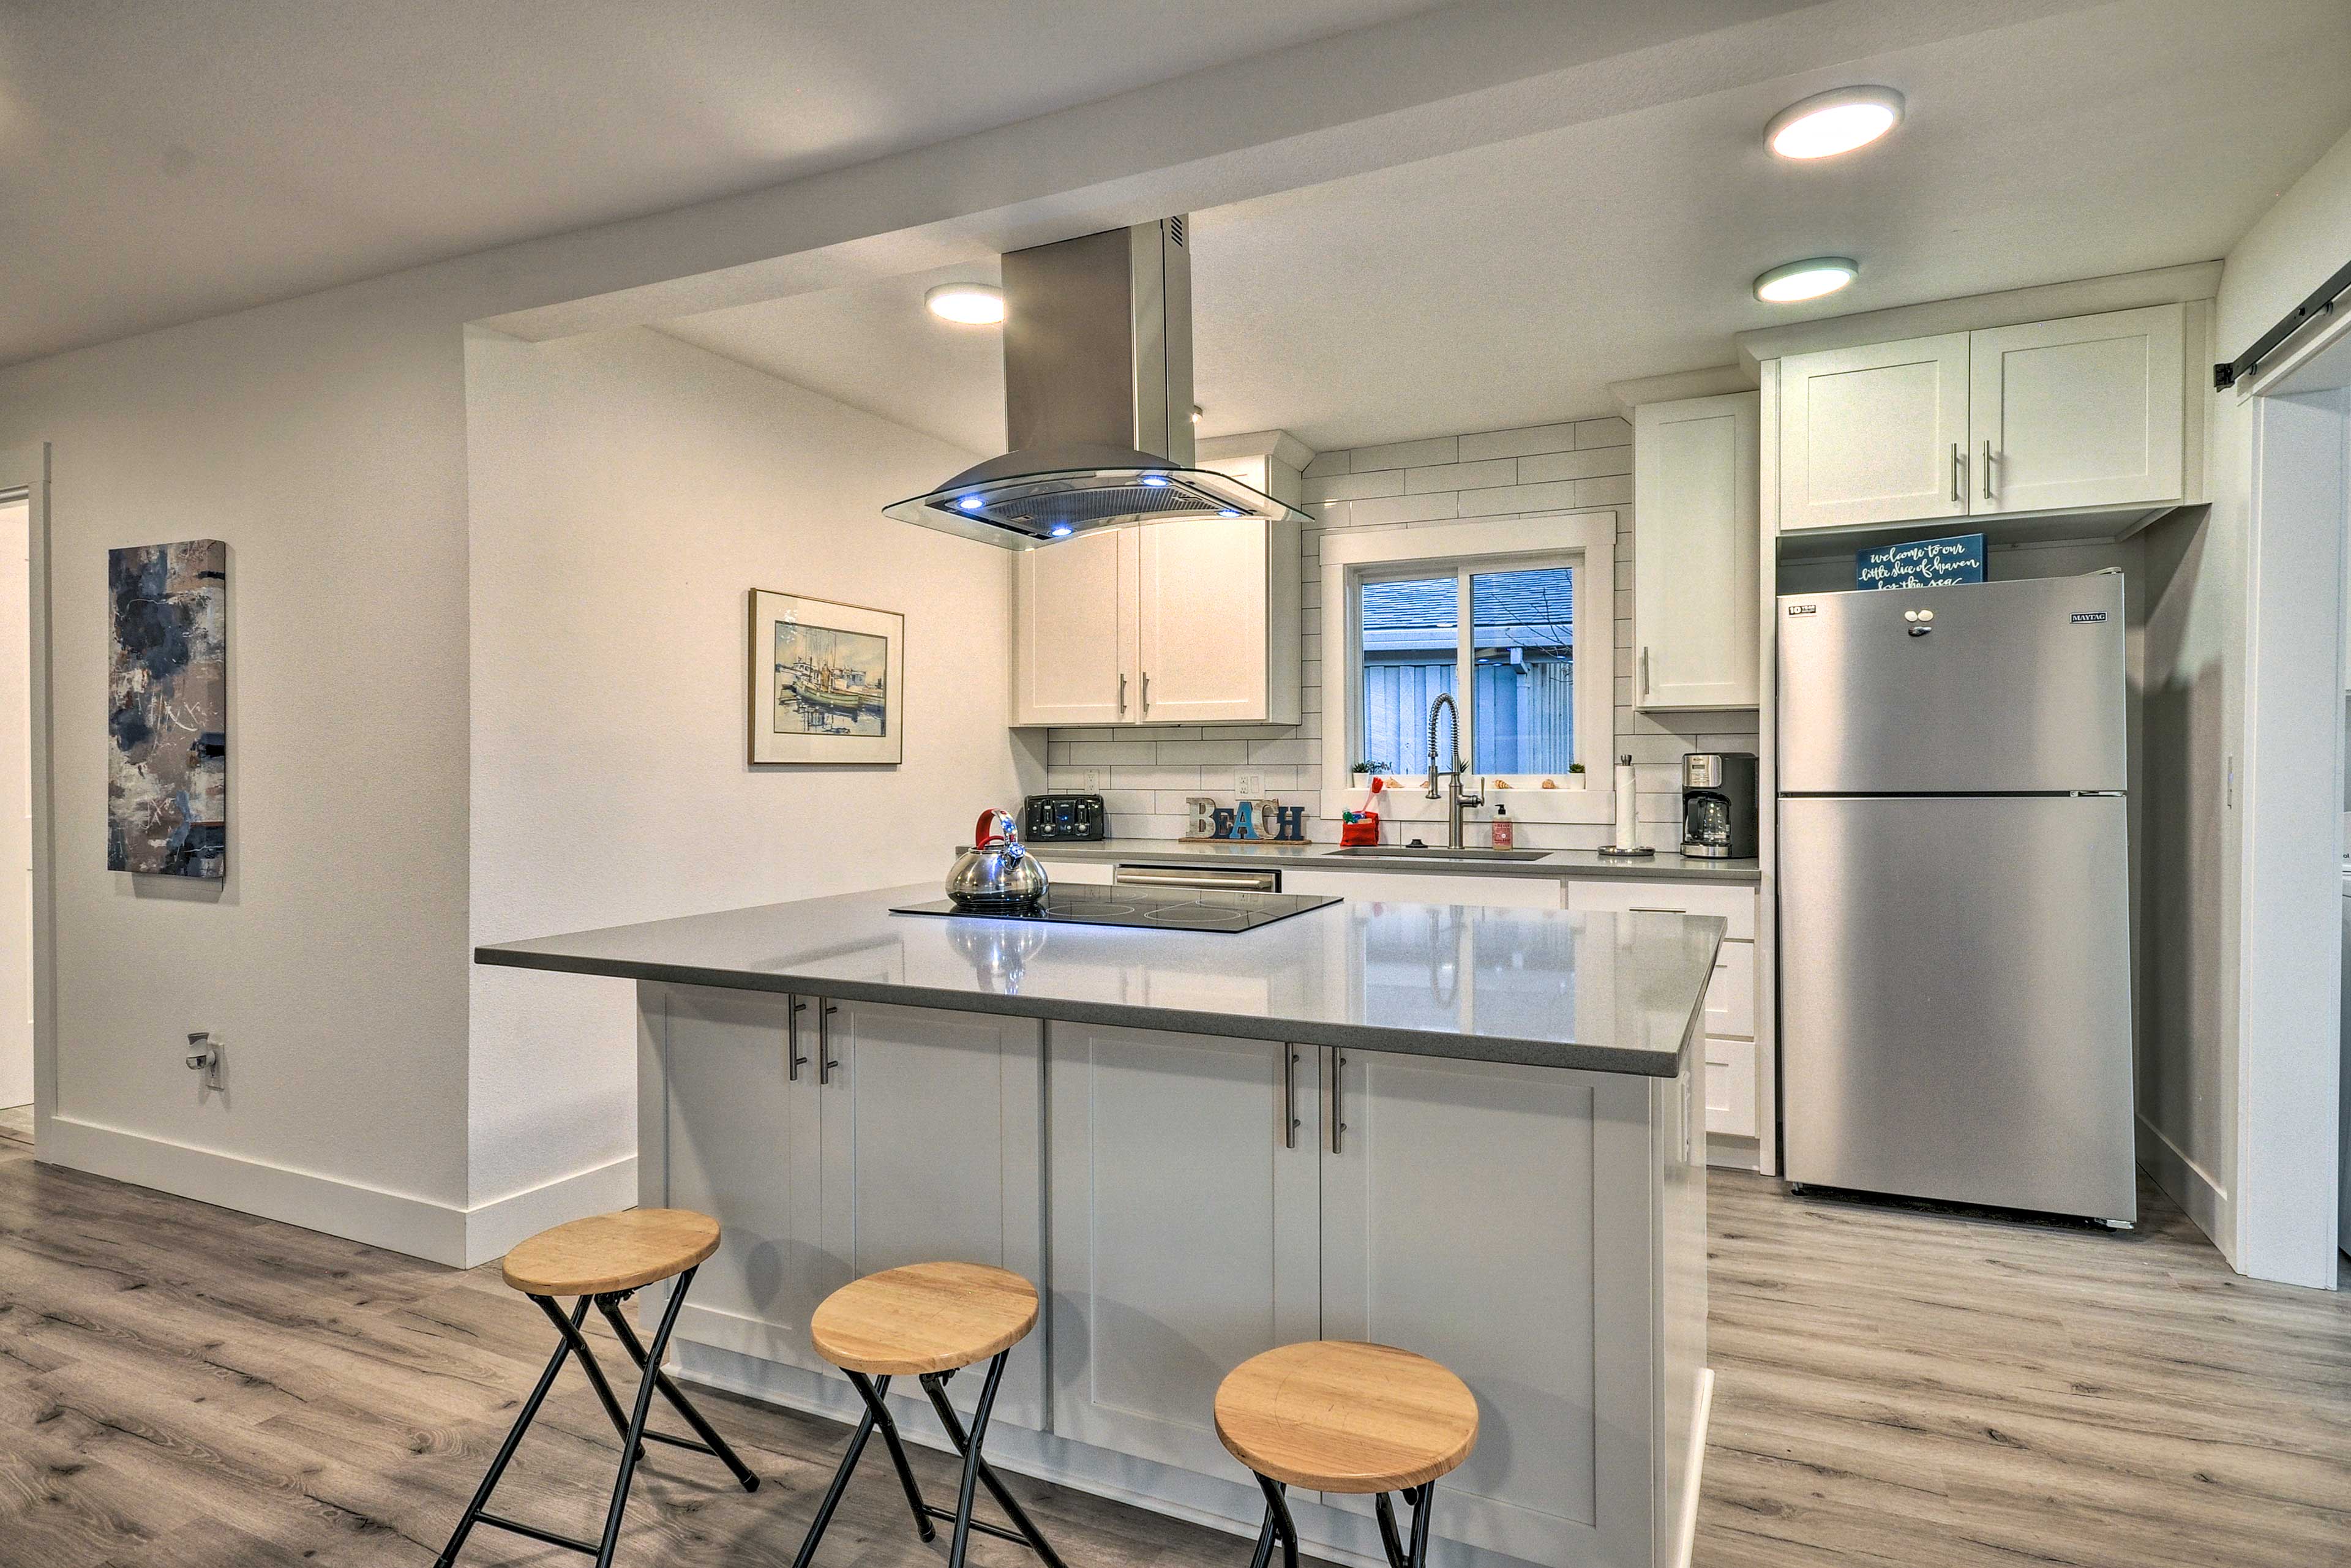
(1829, 123)
(1154, 481)
(972, 503)
(970, 304)
(1806, 279)
(1060, 530)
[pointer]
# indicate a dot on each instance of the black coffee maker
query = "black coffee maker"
(1719, 820)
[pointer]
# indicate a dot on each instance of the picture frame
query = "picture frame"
(828, 682)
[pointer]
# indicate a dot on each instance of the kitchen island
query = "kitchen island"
(1469, 1130)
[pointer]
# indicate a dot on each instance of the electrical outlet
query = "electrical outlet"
(1094, 781)
(1250, 786)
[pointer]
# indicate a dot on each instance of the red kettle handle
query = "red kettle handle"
(981, 838)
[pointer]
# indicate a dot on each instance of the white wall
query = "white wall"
(1487, 473)
(628, 491)
(16, 811)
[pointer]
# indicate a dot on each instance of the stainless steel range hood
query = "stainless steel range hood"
(1097, 399)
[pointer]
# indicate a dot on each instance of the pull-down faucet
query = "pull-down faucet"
(1452, 792)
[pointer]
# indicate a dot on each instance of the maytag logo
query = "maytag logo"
(1802, 609)
(2081, 616)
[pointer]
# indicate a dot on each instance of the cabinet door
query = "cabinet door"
(1696, 612)
(1184, 1230)
(1509, 1303)
(742, 1144)
(1073, 630)
(1201, 621)
(2077, 413)
(932, 1151)
(1874, 434)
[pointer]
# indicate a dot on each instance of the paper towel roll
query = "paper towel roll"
(1626, 835)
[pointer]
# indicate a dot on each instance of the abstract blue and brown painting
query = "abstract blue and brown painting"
(167, 710)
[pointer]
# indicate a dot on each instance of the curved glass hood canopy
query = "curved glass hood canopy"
(1023, 499)
(1097, 401)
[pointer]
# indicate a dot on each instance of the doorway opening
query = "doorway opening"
(15, 820)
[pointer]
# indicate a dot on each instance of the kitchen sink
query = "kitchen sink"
(1436, 852)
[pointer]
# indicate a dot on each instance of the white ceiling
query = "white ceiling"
(1509, 284)
(174, 158)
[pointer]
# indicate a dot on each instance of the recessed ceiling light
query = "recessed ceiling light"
(1832, 123)
(1806, 279)
(1196, 411)
(973, 304)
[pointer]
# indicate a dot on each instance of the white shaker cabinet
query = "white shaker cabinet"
(1873, 434)
(1189, 623)
(1074, 631)
(1183, 1231)
(1698, 543)
(2077, 413)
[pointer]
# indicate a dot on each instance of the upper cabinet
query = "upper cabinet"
(1696, 591)
(2083, 414)
(1874, 434)
(1189, 623)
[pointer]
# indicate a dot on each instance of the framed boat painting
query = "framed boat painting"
(827, 681)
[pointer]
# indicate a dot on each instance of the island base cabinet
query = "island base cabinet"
(1492, 1218)
(1185, 1229)
(902, 1135)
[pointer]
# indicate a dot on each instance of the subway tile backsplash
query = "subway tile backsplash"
(1495, 473)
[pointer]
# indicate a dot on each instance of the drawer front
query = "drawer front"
(1602, 897)
(1731, 1087)
(1425, 887)
(1730, 996)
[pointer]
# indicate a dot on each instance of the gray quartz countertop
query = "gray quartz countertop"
(1663, 866)
(1539, 987)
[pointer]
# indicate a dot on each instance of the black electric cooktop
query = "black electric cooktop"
(1155, 909)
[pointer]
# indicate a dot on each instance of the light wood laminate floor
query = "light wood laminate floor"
(185, 1387)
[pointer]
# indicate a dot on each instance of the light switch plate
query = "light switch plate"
(1250, 785)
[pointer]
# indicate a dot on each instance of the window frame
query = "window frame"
(1584, 542)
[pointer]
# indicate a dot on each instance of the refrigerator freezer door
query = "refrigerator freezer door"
(1993, 688)
(1956, 1002)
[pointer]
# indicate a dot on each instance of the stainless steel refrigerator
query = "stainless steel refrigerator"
(1954, 856)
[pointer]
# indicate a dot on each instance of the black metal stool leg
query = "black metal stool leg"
(872, 1393)
(1277, 1513)
(569, 1329)
(514, 1440)
(633, 1443)
(935, 1386)
(1391, 1538)
(832, 1493)
(712, 1443)
(962, 1538)
(1423, 1498)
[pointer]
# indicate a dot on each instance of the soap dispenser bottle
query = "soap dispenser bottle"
(1506, 831)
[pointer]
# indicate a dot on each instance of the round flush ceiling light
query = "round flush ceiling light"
(972, 304)
(1832, 123)
(1806, 279)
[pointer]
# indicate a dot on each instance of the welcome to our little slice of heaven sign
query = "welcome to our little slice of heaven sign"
(1922, 564)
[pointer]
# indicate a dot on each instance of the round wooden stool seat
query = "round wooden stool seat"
(925, 1317)
(612, 1252)
(1345, 1416)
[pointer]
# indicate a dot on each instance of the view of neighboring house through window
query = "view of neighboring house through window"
(1508, 638)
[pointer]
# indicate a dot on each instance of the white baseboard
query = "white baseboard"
(1730, 1152)
(2190, 1185)
(401, 1222)
(1686, 1528)
(494, 1226)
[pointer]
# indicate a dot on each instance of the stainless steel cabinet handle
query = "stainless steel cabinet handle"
(1289, 1096)
(1122, 691)
(1645, 672)
(1146, 694)
(1338, 1065)
(793, 1059)
(1987, 482)
(825, 1063)
(1204, 880)
(1959, 473)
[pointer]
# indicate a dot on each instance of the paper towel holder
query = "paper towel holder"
(1625, 817)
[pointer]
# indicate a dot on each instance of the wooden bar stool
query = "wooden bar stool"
(928, 1320)
(1344, 1416)
(606, 1258)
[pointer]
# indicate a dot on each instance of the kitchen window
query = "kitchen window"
(1485, 612)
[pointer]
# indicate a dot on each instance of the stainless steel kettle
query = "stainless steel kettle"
(995, 872)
